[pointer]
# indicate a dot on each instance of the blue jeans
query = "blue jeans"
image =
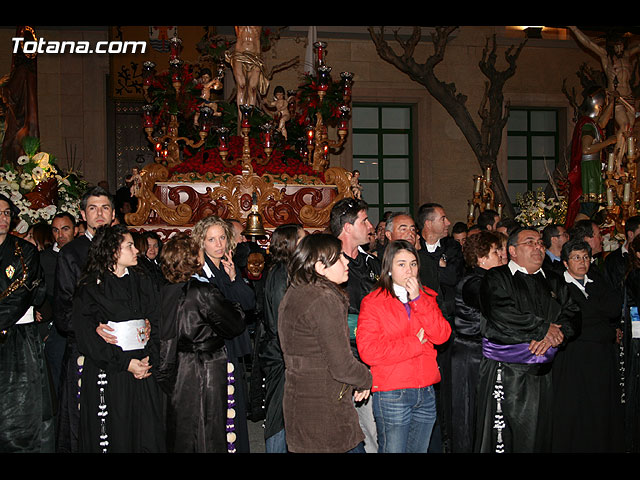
(276, 443)
(358, 448)
(404, 419)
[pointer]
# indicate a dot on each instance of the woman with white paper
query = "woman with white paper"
(121, 404)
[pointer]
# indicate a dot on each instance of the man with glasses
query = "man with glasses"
(349, 222)
(554, 237)
(26, 421)
(528, 314)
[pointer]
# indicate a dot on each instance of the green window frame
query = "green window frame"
(533, 142)
(383, 153)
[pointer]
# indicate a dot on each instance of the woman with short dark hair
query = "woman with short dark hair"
(283, 243)
(399, 324)
(321, 372)
(120, 402)
(192, 370)
(587, 415)
(481, 253)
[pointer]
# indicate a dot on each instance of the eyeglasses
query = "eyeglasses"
(580, 258)
(6, 213)
(532, 243)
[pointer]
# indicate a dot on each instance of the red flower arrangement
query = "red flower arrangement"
(209, 161)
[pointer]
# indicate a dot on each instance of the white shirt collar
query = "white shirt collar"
(569, 279)
(401, 293)
(207, 270)
(432, 248)
(88, 234)
(514, 267)
(55, 247)
(624, 248)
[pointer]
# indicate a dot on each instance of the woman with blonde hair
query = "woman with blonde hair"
(214, 236)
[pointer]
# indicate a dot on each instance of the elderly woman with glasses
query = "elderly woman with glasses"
(587, 415)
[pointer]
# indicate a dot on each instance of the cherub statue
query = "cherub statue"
(281, 105)
(208, 82)
(356, 188)
(136, 183)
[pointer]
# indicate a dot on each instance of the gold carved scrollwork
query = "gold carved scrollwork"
(148, 202)
(314, 217)
(233, 189)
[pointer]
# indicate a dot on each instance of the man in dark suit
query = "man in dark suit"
(97, 209)
(615, 264)
(63, 227)
(441, 268)
(438, 249)
(554, 237)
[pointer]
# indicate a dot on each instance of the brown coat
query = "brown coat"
(321, 371)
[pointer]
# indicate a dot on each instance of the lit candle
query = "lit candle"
(610, 197)
(627, 192)
(477, 179)
(499, 209)
(610, 162)
(472, 208)
(488, 175)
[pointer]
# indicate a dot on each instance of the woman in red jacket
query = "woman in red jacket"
(399, 324)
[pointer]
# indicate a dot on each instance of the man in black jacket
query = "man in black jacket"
(349, 222)
(97, 209)
(615, 264)
(63, 227)
(554, 237)
(441, 268)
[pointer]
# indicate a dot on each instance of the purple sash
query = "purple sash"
(518, 353)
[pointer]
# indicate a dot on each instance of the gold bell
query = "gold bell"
(254, 226)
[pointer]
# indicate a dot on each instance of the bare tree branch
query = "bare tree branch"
(493, 112)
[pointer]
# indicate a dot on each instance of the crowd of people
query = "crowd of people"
(414, 336)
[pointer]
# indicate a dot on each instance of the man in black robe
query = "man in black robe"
(26, 419)
(528, 313)
(97, 209)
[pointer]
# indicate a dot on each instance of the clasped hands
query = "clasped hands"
(553, 338)
(140, 369)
